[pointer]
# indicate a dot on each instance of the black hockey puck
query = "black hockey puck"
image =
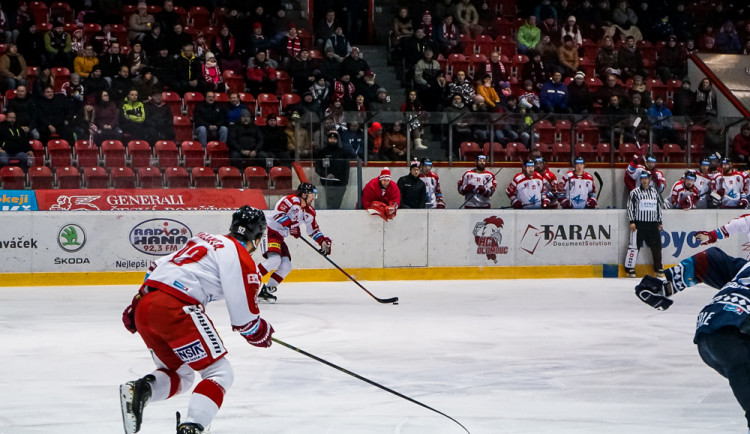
(395, 302)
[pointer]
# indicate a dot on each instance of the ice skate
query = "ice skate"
(266, 295)
(134, 395)
(189, 427)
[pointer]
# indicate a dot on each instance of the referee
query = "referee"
(645, 215)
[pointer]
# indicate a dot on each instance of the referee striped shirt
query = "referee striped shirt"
(643, 205)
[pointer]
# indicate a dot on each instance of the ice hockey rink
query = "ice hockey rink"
(500, 356)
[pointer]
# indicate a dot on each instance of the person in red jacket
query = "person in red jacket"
(381, 196)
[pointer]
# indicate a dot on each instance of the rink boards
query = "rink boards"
(107, 247)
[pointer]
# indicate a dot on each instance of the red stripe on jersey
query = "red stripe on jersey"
(211, 390)
(174, 382)
(250, 276)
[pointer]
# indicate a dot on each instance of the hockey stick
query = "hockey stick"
(474, 194)
(366, 380)
(393, 300)
(601, 183)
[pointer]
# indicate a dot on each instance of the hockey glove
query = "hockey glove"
(257, 332)
(686, 203)
(707, 237)
(481, 190)
(295, 231)
(469, 188)
(651, 291)
(565, 203)
(128, 315)
(743, 203)
(488, 192)
(517, 204)
(325, 245)
(545, 202)
(390, 212)
(592, 203)
(440, 204)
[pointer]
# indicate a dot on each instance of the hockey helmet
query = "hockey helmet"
(248, 224)
(529, 163)
(650, 158)
(690, 174)
(579, 160)
(306, 187)
(426, 162)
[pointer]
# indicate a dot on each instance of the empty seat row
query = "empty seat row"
(42, 177)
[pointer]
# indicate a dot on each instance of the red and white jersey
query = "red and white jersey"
(731, 188)
(289, 213)
(528, 189)
(683, 197)
(432, 182)
(550, 181)
(577, 189)
(703, 183)
(211, 267)
(477, 179)
(633, 175)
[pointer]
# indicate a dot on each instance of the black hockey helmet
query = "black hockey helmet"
(248, 224)
(306, 187)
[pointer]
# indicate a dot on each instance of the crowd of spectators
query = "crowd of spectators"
(120, 57)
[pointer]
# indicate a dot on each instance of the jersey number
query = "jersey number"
(189, 254)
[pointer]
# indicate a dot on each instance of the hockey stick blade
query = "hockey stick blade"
(366, 380)
(392, 300)
(601, 183)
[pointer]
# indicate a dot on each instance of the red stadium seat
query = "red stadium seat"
(139, 154)
(585, 150)
(68, 178)
(283, 83)
(191, 100)
(289, 99)
(61, 75)
(122, 177)
(183, 128)
(193, 154)
(506, 44)
(199, 17)
(59, 153)
(560, 151)
(477, 64)
(114, 153)
(498, 151)
(121, 33)
(166, 153)
(546, 131)
(173, 100)
(217, 154)
(12, 178)
(150, 177)
(234, 81)
(627, 150)
(267, 104)
(221, 98)
(86, 153)
(256, 177)
(469, 151)
(281, 177)
(515, 151)
(672, 153)
(484, 44)
(203, 177)
(40, 154)
(41, 178)
(89, 30)
(603, 151)
(230, 177)
(457, 62)
(177, 177)
(95, 177)
(562, 131)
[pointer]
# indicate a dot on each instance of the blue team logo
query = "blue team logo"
(191, 352)
(577, 199)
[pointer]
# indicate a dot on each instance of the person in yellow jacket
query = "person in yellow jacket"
(132, 116)
(84, 63)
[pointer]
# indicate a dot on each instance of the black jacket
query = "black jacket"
(13, 139)
(339, 166)
(25, 110)
(53, 111)
(245, 137)
(209, 114)
(413, 192)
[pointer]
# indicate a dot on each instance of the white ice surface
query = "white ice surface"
(505, 356)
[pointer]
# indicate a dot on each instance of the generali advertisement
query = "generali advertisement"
(148, 199)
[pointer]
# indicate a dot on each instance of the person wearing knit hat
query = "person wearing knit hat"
(413, 190)
(381, 196)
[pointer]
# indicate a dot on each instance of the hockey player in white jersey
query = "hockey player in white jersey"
(730, 187)
(685, 193)
(477, 185)
(290, 214)
(526, 190)
(432, 182)
(703, 184)
(577, 189)
(169, 314)
(646, 164)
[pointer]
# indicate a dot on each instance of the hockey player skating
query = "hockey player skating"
(477, 185)
(526, 190)
(288, 216)
(723, 326)
(577, 189)
(432, 182)
(729, 187)
(685, 194)
(168, 312)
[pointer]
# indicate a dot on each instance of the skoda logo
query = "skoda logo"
(71, 238)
